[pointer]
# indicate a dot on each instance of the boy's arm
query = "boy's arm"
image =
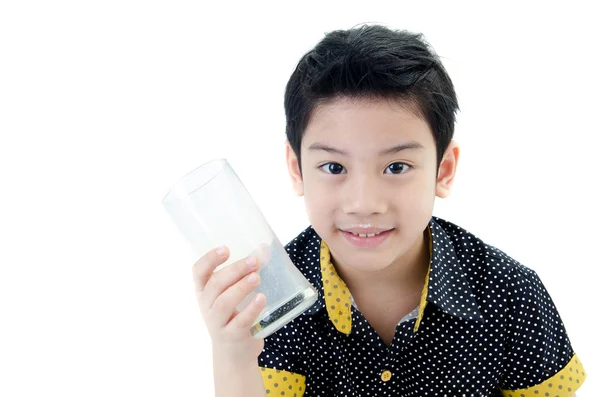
(280, 380)
(279, 364)
(539, 357)
(235, 380)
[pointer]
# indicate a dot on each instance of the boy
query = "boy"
(409, 304)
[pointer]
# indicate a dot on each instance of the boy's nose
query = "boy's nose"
(363, 197)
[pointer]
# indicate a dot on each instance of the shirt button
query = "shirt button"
(386, 375)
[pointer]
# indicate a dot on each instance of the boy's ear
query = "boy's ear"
(447, 170)
(294, 170)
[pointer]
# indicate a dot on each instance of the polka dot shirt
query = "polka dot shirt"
(485, 326)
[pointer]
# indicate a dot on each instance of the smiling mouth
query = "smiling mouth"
(366, 240)
(368, 234)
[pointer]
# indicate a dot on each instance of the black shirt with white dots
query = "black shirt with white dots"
(486, 326)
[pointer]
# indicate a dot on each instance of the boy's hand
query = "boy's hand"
(218, 295)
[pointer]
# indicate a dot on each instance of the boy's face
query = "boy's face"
(352, 178)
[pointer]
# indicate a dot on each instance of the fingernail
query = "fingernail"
(253, 278)
(221, 250)
(258, 299)
(251, 261)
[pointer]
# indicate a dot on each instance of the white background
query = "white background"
(103, 105)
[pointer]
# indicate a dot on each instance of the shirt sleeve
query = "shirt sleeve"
(539, 359)
(277, 363)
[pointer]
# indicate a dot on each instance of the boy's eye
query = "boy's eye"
(398, 168)
(332, 168)
(336, 169)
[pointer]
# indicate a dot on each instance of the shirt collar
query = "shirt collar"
(446, 284)
(448, 287)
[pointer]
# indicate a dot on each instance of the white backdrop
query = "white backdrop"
(103, 105)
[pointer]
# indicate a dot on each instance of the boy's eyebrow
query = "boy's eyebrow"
(411, 145)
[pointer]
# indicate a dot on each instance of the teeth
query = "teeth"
(366, 235)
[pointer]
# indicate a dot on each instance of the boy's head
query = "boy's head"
(370, 118)
(372, 62)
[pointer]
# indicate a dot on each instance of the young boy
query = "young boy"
(409, 304)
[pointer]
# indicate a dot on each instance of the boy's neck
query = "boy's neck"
(404, 277)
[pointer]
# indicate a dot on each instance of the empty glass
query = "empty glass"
(211, 207)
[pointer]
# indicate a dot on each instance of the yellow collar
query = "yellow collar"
(337, 294)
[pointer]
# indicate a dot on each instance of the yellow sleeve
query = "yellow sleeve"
(283, 383)
(563, 384)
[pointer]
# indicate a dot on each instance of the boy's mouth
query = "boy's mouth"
(366, 231)
(368, 234)
(370, 239)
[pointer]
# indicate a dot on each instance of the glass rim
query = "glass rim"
(187, 175)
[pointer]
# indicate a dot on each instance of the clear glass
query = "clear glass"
(211, 207)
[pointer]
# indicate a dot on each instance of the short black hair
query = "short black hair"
(372, 62)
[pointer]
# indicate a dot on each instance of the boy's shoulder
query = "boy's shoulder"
(467, 246)
(304, 250)
(485, 267)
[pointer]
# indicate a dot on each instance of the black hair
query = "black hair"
(372, 62)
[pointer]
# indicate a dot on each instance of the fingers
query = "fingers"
(205, 266)
(225, 304)
(263, 253)
(247, 317)
(220, 292)
(227, 277)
